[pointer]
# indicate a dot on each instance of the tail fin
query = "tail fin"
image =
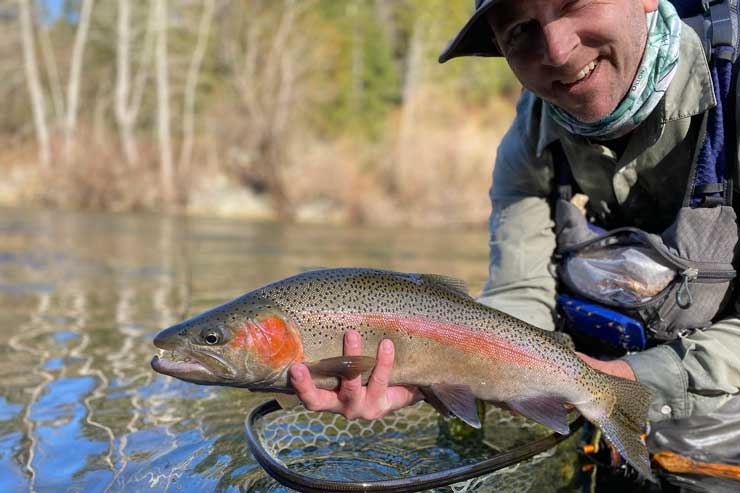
(625, 423)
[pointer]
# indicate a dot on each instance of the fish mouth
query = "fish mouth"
(192, 368)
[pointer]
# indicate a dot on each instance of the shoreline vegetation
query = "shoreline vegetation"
(305, 110)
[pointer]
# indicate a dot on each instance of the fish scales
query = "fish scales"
(445, 342)
(403, 295)
(360, 291)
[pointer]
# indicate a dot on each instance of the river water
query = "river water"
(81, 297)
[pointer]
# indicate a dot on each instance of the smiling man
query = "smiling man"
(619, 106)
(573, 54)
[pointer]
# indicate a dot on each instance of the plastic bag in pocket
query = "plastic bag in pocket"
(623, 275)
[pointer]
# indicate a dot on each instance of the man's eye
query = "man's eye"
(519, 30)
(574, 5)
(515, 31)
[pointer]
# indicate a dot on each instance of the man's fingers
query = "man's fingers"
(352, 343)
(616, 367)
(378, 383)
(314, 399)
(352, 400)
(350, 390)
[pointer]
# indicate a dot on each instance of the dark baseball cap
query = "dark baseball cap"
(475, 38)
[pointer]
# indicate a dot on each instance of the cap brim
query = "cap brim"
(474, 39)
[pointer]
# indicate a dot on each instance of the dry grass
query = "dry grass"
(438, 173)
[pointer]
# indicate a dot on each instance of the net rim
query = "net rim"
(307, 484)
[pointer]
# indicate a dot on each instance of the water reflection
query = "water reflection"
(81, 296)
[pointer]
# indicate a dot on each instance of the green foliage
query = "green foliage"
(366, 54)
(358, 77)
(361, 68)
(471, 79)
(360, 53)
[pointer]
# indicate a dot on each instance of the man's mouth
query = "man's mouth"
(582, 74)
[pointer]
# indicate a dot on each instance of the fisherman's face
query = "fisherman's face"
(580, 55)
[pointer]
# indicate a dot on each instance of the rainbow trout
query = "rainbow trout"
(446, 343)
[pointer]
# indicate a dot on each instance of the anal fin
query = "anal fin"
(548, 411)
(454, 399)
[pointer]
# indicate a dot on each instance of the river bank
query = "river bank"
(439, 176)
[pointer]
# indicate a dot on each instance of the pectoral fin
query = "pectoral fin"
(548, 411)
(341, 366)
(453, 399)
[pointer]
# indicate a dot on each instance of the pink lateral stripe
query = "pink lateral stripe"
(461, 337)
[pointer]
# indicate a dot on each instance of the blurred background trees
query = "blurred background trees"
(305, 109)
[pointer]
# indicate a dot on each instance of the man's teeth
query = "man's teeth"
(583, 73)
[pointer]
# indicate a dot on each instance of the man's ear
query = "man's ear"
(650, 5)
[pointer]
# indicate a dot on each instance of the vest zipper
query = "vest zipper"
(677, 262)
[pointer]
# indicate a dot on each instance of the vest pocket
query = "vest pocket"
(673, 283)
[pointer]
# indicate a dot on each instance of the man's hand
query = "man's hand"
(615, 367)
(352, 399)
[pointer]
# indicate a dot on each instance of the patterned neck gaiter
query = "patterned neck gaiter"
(659, 63)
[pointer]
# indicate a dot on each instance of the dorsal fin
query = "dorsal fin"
(561, 338)
(452, 283)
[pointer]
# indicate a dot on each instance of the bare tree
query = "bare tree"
(167, 171)
(267, 67)
(66, 108)
(12, 78)
(73, 85)
(52, 72)
(123, 69)
(191, 84)
(130, 87)
(387, 11)
(412, 82)
(34, 84)
(358, 54)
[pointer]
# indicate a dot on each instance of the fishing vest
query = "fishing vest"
(632, 289)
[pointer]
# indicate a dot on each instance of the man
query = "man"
(629, 146)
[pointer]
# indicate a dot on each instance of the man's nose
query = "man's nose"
(559, 40)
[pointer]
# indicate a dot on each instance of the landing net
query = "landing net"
(409, 443)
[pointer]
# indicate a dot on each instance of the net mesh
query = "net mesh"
(412, 442)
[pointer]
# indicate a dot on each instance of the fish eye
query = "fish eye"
(212, 337)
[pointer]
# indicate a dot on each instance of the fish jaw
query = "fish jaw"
(203, 367)
(190, 371)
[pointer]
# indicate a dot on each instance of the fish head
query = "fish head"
(249, 342)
